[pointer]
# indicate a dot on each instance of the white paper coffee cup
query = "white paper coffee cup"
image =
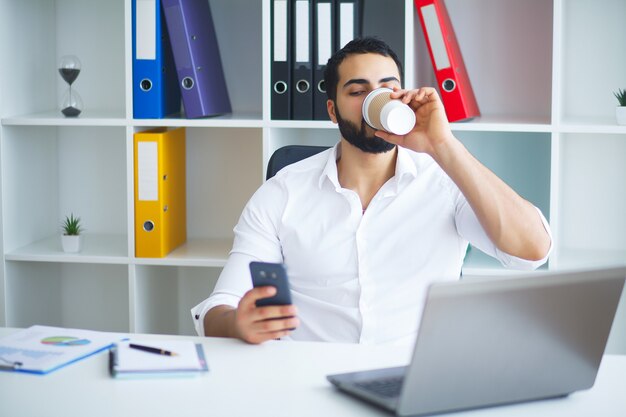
(383, 113)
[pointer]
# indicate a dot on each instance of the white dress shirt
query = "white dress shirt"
(355, 276)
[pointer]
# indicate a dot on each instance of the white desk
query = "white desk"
(274, 379)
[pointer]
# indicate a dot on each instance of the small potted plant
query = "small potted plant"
(71, 240)
(620, 111)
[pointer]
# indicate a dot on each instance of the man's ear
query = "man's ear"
(330, 106)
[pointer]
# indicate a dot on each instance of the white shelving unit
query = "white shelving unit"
(543, 83)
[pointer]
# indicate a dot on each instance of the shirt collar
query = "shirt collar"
(405, 165)
(405, 168)
(330, 170)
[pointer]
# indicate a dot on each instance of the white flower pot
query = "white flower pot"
(620, 115)
(72, 244)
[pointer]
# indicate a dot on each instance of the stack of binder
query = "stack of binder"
(452, 78)
(176, 54)
(305, 33)
(160, 192)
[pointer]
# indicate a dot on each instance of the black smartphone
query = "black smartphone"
(264, 274)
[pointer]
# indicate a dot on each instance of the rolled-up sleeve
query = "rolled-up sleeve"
(470, 228)
(256, 239)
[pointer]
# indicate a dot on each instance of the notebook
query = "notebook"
(43, 349)
(499, 341)
(187, 359)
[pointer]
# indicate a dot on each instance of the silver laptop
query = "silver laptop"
(499, 341)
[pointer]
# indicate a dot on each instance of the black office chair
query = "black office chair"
(288, 155)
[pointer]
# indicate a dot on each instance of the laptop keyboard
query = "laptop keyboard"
(384, 387)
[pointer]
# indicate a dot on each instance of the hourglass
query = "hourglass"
(69, 68)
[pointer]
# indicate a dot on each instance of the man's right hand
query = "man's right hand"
(259, 324)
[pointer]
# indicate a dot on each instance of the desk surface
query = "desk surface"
(273, 379)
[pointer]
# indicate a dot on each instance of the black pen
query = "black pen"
(12, 365)
(152, 350)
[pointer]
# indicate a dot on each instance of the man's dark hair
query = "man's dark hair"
(364, 45)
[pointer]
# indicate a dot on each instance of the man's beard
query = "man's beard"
(358, 137)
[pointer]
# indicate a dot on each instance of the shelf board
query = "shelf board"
(591, 125)
(55, 118)
(112, 118)
(194, 252)
(303, 124)
(97, 248)
(504, 123)
(250, 120)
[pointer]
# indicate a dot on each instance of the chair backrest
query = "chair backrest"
(288, 155)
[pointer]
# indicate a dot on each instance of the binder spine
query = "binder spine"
(302, 75)
(197, 58)
(160, 187)
(155, 88)
(324, 46)
(453, 81)
(348, 21)
(281, 60)
(148, 216)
